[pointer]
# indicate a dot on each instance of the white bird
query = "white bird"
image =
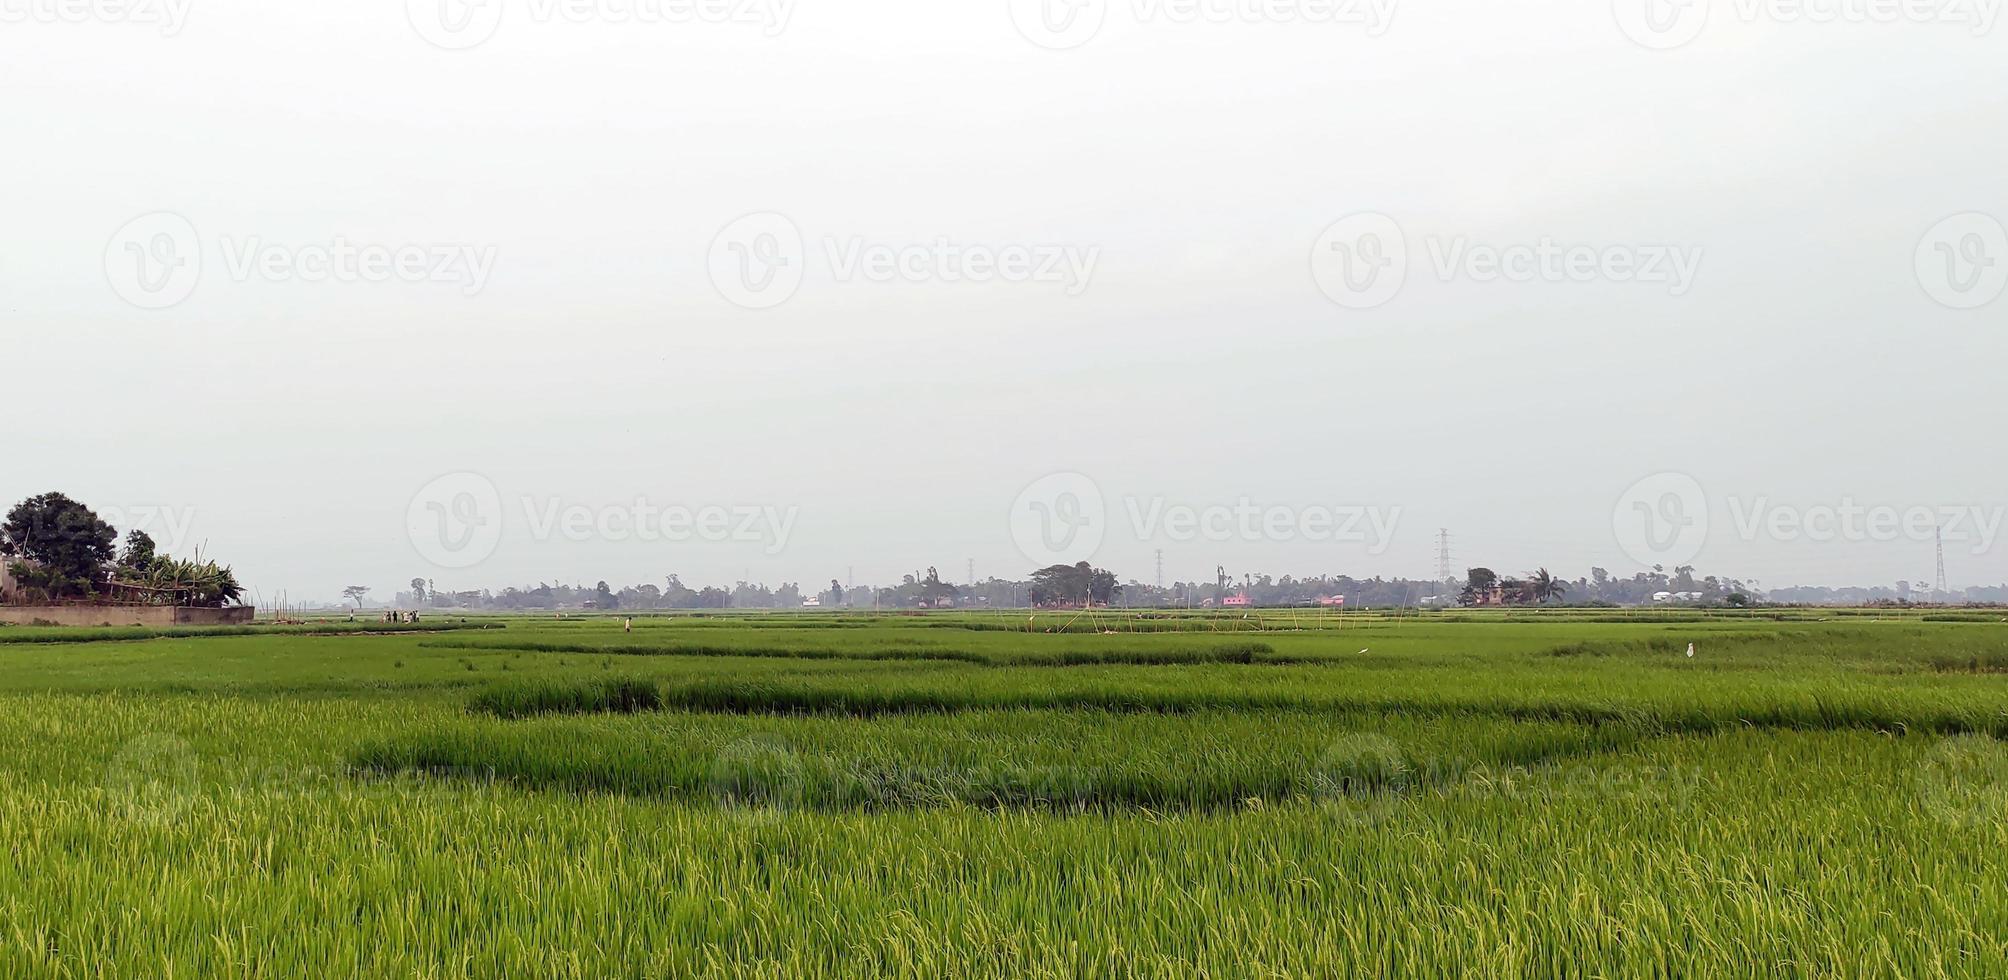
(1690, 649)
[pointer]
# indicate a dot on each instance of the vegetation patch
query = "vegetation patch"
(1781, 804)
(1162, 764)
(1157, 655)
(102, 634)
(520, 699)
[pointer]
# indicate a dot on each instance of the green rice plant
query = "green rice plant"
(101, 634)
(1821, 795)
(518, 699)
(1218, 653)
(1038, 759)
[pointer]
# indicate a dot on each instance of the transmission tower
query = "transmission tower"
(1160, 569)
(972, 571)
(1939, 590)
(1443, 555)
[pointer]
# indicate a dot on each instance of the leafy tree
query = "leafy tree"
(1075, 584)
(678, 596)
(1102, 585)
(139, 552)
(644, 596)
(1477, 582)
(1057, 585)
(64, 545)
(418, 590)
(835, 596)
(355, 594)
(746, 595)
(933, 591)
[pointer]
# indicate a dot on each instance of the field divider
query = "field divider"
(812, 768)
(116, 634)
(780, 698)
(1259, 654)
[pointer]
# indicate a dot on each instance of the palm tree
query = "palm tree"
(1546, 586)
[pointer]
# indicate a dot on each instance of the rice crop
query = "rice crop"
(617, 695)
(1509, 796)
(1159, 654)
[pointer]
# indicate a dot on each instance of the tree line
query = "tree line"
(1057, 585)
(1072, 586)
(58, 550)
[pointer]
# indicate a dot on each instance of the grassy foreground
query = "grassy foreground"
(926, 796)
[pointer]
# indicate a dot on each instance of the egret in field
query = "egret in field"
(1690, 649)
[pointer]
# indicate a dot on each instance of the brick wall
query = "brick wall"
(124, 615)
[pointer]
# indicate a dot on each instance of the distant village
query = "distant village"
(926, 589)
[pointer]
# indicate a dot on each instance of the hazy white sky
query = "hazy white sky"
(853, 282)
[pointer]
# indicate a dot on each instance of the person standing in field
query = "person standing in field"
(627, 625)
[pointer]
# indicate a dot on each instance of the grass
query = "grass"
(1041, 759)
(1159, 654)
(617, 695)
(101, 634)
(823, 795)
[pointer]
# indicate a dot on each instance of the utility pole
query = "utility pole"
(1940, 591)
